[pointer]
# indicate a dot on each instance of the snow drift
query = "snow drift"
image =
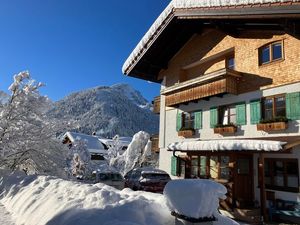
(45, 200)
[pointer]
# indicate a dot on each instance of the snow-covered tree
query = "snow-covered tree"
(27, 137)
(134, 156)
(115, 148)
(81, 165)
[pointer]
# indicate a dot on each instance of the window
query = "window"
(214, 166)
(188, 120)
(282, 174)
(97, 157)
(270, 53)
(273, 107)
(195, 166)
(181, 167)
(227, 115)
(230, 63)
(224, 167)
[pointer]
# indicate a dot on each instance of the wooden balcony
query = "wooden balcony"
(223, 81)
(156, 105)
(155, 143)
(275, 126)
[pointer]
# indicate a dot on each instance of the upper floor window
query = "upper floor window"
(271, 52)
(227, 115)
(274, 106)
(188, 120)
(230, 63)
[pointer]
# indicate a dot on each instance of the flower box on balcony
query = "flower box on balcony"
(228, 129)
(273, 126)
(186, 133)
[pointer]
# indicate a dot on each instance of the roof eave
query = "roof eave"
(270, 12)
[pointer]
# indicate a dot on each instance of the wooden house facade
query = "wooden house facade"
(230, 95)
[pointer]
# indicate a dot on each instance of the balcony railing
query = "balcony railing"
(223, 81)
(156, 105)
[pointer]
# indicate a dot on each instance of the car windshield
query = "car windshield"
(116, 176)
(103, 176)
(156, 176)
(109, 176)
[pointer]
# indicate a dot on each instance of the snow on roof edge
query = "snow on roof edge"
(227, 145)
(141, 47)
(146, 38)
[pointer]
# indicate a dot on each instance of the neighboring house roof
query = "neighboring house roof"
(94, 145)
(187, 9)
(124, 141)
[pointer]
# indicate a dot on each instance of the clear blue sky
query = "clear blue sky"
(72, 45)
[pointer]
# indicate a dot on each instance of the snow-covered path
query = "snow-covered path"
(5, 217)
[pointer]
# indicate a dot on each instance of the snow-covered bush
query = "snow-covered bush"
(134, 156)
(27, 136)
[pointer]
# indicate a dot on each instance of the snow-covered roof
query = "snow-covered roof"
(124, 141)
(167, 14)
(227, 145)
(94, 145)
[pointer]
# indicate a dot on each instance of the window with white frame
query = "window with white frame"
(227, 115)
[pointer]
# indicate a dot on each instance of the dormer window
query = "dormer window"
(270, 53)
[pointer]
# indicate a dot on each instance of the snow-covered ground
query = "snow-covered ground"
(5, 216)
(46, 200)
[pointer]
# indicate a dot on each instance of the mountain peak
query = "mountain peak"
(108, 110)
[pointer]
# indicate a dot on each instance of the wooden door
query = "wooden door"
(243, 182)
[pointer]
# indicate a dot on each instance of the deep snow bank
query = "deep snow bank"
(44, 200)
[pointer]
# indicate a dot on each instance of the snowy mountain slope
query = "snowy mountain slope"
(3, 97)
(118, 109)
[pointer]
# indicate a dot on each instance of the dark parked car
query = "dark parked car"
(147, 179)
(110, 178)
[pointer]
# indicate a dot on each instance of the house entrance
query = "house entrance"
(243, 181)
(234, 171)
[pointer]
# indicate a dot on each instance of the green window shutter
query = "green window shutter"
(198, 120)
(173, 166)
(241, 113)
(213, 117)
(293, 106)
(178, 121)
(255, 111)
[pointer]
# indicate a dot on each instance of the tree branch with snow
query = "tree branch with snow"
(27, 136)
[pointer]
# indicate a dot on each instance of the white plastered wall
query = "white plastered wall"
(168, 133)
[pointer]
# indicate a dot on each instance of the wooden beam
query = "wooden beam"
(261, 180)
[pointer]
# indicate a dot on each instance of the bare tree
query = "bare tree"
(27, 136)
